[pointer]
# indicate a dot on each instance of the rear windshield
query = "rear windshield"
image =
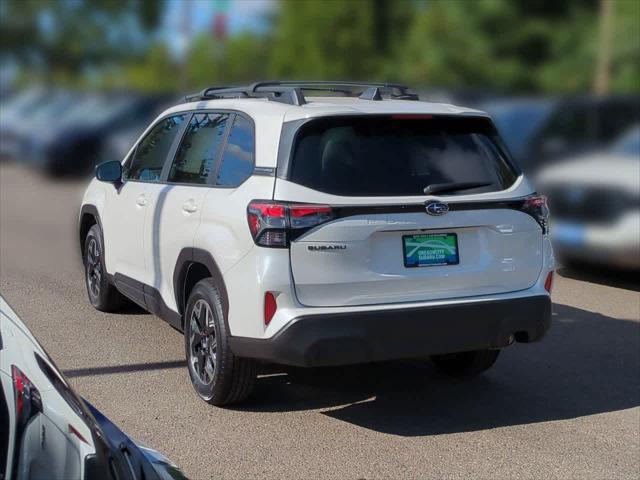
(398, 155)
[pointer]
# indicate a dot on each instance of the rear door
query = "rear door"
(384, 245)
(174, 215)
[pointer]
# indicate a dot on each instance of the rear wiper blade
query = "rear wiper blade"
(453, 186)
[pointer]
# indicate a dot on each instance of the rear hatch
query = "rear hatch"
(385, 240)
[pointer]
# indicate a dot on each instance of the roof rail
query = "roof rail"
(291, 92)
(284, 95)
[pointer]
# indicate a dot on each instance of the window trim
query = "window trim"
(213, 174)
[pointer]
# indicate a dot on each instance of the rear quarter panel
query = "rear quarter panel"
(224, 233)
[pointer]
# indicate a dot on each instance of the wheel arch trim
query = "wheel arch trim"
(186, 259)
(91, 210)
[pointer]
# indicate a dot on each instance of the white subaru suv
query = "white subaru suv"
(318, 224)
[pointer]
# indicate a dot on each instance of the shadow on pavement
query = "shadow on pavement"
(627, 280)
(132, 367)
(132, 309)
(588, 364)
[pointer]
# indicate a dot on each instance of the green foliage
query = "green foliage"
(626, 46)
(324, 39)
(570, 64)
(203, 62)
(444, 47)
(245, 58)
(503, 45)
(497, 45)
(500, 45)
(156, 72)
(338, 39)
(240, 59)
(59, 39)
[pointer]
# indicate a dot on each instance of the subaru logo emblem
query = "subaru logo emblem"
(436, 208)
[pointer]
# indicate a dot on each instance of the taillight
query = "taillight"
(27, 397)
(28, 403)
(274, 224)
(536, 206)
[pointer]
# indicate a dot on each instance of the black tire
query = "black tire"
(217, 375)
(102, 294)
(466, 364)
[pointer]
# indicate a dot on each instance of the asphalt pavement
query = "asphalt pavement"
(566, 407)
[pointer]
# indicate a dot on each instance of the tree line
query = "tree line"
(514, 46)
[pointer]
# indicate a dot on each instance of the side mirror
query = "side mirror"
(109, 172)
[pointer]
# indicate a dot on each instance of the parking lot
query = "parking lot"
(567, 407)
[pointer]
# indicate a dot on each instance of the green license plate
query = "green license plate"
(431, 249)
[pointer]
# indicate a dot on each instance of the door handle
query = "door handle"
(141, 200)
(190, 206)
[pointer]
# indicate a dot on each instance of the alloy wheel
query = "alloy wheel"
(202, 342)
(94, 267)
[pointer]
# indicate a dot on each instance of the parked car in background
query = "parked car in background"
(119, 141)
(595, 203)
(74, 147)
(62, 132)
(75, 150)
(539, 131)
(12, 111)
(38, 121)
(36, 147)
(48, 432)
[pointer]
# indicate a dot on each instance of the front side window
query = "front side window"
(237, 161)
(149, 158)
(199, 149)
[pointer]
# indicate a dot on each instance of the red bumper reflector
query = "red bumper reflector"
(548, 283)
(270, 307)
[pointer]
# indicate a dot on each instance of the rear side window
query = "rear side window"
(237, 161)
(398, 155)
(151, 154)
(199, 149)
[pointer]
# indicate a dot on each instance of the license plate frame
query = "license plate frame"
(437, 254)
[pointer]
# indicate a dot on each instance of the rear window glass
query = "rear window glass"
(398, 155)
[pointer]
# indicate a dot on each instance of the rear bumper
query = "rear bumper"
(360, 337)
